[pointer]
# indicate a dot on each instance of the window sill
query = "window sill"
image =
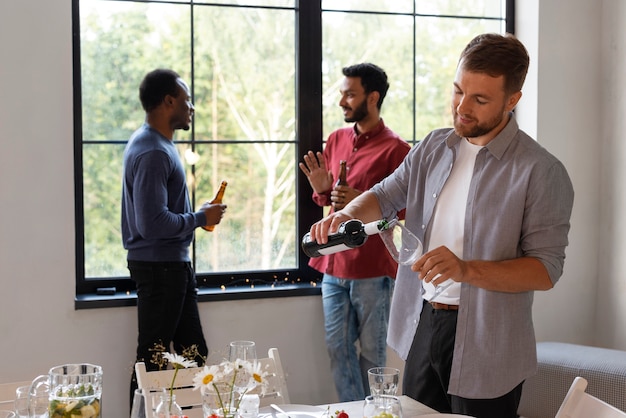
(120, 299)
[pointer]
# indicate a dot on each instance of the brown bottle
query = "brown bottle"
(218, 200)
(341, 181)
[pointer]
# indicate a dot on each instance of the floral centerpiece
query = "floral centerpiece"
(223, 386)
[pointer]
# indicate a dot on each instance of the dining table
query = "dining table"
(410, 408)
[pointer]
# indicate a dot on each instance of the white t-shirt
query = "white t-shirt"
(449, 218)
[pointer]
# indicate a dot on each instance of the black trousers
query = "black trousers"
(427, 370)
(167, 311)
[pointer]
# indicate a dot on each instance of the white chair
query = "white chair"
(191, 401)
(7, 393)
(580, 404)
(276, 391)
(153, 383)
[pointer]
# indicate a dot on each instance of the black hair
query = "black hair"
(373, 78)
(156, 85)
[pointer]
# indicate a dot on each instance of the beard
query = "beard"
(478, 129)
(182, 122)
(358, 114)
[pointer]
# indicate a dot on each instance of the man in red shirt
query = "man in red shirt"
(357, 284)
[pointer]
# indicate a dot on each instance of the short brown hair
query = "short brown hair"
(497, 55)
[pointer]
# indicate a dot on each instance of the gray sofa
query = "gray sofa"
(559, 364)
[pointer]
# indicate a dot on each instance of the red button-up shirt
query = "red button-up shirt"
(370, 157)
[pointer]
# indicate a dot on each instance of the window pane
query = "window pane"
(483, 8)
(120, 43)
(395, 6)
(244, 87)
(102, 185)
(391, 50)
(257, 231)
(439, 42)
(269, 3)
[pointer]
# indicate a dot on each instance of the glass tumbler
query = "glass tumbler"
(383, 406)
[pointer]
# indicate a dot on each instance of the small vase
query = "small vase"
(223, 402)
(168, 408)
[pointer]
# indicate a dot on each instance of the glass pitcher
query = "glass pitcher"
(74, 389)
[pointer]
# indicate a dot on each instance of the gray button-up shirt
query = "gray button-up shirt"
(519, 205)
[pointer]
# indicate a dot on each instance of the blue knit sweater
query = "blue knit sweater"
(157, 221)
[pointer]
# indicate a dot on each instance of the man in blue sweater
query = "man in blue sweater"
(158, 223)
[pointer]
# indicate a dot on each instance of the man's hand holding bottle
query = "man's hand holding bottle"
(213, 212)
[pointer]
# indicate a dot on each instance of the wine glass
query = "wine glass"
(406, 248)
(402, 244)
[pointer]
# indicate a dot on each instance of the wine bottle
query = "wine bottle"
(217, 200)
(341, 181)
(350, 234)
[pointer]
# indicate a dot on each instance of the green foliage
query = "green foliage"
(243, 65)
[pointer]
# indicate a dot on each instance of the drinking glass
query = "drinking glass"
(406, 248)
(139, 409)
(246, 351)
(39, 400)
(243, 350)
(382, 406)
(383, 381)
(402, 244)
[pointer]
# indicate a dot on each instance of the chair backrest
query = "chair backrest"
(580, 404)
(191, 400)
(276, 391)
(7, 393)
(154, 382)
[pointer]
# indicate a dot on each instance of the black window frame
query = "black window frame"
(119, 291)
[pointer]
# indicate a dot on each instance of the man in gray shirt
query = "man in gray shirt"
(492, 208)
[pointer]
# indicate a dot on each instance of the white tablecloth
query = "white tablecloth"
(410, 408)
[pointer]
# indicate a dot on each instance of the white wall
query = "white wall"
(578, 82)
(610, 307)
(564, 116)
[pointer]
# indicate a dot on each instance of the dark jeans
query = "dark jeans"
(167, 310)
(427, 371)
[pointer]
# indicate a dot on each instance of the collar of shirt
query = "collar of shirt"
(498, 145)
(358, 138)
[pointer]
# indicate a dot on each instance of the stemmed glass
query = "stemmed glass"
(402, 244)
(406, 248)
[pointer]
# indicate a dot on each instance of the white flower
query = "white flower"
(205, 378)
(258, 377)
(179, 362)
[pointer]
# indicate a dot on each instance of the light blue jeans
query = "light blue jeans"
(355, 310)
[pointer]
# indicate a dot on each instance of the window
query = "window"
(264, 77)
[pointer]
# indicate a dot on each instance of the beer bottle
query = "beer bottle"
(341, 181)
(217, 200)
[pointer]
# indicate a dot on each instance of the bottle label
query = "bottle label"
(333, 249)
